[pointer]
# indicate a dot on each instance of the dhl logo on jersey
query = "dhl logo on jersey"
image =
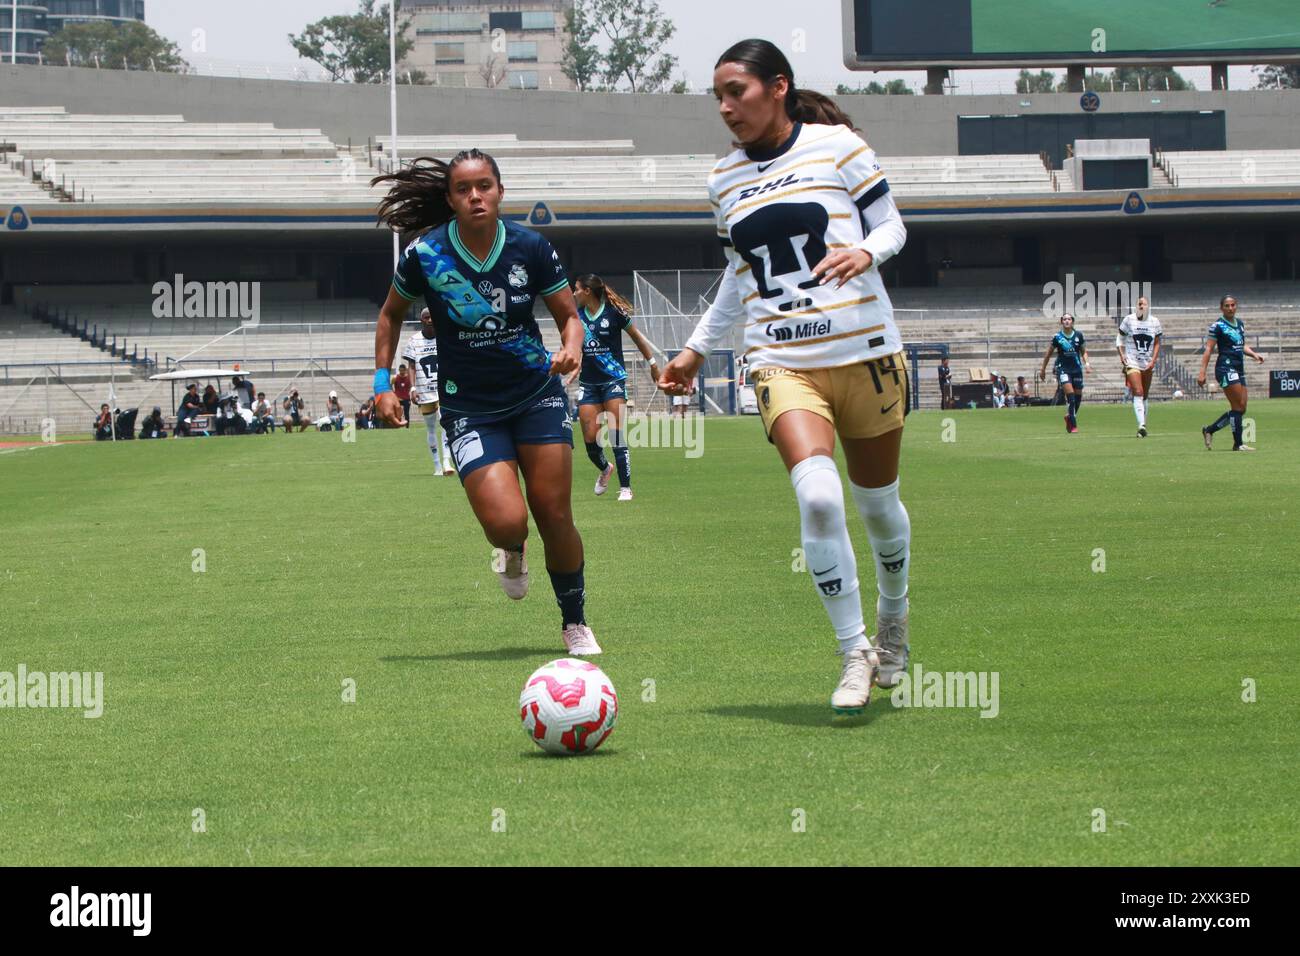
(770, 187)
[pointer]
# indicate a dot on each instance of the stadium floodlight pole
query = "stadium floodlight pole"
(392, 96)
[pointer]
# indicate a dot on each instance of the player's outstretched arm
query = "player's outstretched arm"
(1247, 350)
(679, 376)
(565, 312)
(647, 353)
(387, 330)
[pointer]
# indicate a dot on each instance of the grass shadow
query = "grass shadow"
(800, 715)
(538, 753)
(490, 654)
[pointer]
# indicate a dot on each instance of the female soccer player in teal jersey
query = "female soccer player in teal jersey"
(606, 315)
(1071, 363)
(1228, 335)
(502, 402)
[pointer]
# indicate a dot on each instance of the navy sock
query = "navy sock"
(570, 594)
(1236, 428)
(597, 455)
(1220, 422)
(623, 460)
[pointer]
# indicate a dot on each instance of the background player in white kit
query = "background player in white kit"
(422, 352)
(1138, 344)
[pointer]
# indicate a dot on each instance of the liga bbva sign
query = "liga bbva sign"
(1284, 384)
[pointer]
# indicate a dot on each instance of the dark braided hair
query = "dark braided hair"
(417, 199)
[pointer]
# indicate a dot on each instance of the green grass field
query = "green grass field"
(1119, 690)
(1064, 26)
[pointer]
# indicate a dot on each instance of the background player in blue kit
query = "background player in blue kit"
(502, 402)
(1228, 334)
(605, 316)
(1071, 362)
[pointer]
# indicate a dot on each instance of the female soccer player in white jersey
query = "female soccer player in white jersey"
(499, 389)
(1138, 345)
(805, 216)
(422, 352)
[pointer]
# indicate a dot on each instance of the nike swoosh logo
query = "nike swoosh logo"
(894, 555)
(763, 169)
(827, 571)
(885, 410)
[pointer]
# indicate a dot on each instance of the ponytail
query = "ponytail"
(597, 285)
(809, 106)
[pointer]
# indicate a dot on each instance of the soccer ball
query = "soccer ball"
(1178, 393)
(568, 706)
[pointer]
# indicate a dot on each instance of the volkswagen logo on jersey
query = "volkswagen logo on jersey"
(485, 287)
(518, 276)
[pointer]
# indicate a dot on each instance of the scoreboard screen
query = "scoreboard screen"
(901, 34)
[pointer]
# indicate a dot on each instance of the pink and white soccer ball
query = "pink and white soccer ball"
(568, 706)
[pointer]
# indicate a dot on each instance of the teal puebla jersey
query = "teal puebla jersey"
(490, 353)
(602, 346)
(1069, 352)
(1230, 343)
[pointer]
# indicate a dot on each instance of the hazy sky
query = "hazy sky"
(255, 32)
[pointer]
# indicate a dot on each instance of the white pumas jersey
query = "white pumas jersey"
(778, 215)
(1137, 337)
(423, 354)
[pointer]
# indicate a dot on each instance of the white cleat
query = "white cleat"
(602, 483)
(854, 691)
(514, 579)
(449, 470)
(579, 641)
(892, 647)
(625, 494)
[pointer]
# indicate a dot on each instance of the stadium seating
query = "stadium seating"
(1234, 167)
(966, 175)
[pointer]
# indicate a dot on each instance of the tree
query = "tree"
(131, 45)
(354, 48)
(892, 88)
(1276, 77)
(1044, 81)
(1139, 78)
(637, 31)
(491, 73)
(581, 61)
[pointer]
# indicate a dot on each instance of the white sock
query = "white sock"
(827, 547)
(890, 532)
(1144, 411)
(1140, 410)
(431, 425)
